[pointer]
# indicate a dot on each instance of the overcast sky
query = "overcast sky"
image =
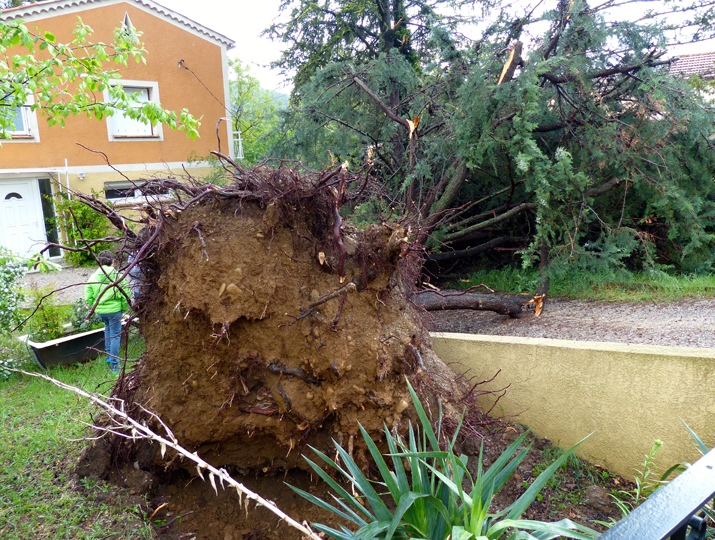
(242, 21)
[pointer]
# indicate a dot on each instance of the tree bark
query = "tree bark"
(504, 304)
(457, 235)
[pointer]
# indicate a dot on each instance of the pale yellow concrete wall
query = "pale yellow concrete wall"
(628, 395)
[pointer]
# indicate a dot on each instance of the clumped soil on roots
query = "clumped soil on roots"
(270, 326)
(248, 357)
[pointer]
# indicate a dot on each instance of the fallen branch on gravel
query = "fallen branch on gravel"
(125, 426)
(503, 304)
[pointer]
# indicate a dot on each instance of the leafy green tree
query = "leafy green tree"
(63, 79)
(559, 133)
(84, 228)
(256, 112)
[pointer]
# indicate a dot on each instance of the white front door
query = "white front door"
(22, 227)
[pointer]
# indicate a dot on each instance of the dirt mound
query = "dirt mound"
(269, 326)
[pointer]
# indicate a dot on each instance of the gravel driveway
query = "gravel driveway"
(687, 323)
(69, 283)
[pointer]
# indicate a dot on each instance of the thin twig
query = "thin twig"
(347, 288)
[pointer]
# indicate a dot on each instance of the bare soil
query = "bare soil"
(239, 365)
(580, 493)
(267, 335)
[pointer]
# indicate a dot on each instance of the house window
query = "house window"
(122, 127)
(23, 124)
(127, 193)
(120, 190)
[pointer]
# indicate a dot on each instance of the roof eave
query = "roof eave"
(40, 9)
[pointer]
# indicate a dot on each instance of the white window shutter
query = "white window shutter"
(123, 126)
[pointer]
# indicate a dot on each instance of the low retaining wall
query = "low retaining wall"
(628, 395)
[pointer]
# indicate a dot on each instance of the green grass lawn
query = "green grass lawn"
(606, 286)
(41, 438)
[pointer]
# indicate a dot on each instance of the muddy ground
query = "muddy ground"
(579, 492)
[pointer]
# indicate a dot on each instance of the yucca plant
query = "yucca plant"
(421, 493)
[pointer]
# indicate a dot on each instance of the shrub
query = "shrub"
(429, 499)
(11, 269)
(81, 223)
(79, 321)
(13, 354)
(48, 319)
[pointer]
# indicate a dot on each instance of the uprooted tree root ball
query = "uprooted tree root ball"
(270, 325)
(240, 365)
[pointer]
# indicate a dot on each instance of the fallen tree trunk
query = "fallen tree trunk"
(510, 305)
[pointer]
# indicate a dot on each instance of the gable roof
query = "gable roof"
(48, 8)
(702, 64)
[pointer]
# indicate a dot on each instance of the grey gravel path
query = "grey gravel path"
(687, 323)
(69, 282)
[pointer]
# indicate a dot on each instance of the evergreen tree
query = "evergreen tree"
(324, 31)
(560, 133)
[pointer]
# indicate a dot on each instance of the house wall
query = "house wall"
(81, 156)
(167, 43)
(94, 179)
(627, 396)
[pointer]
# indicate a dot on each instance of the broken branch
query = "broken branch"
(140, 430)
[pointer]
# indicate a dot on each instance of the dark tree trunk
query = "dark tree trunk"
(505, 304)
(543, 267)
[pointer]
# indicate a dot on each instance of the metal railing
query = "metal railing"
(237, 145)
(670, 511)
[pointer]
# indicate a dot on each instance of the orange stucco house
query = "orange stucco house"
(42, 160)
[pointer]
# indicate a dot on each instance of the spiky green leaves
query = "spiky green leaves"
(421, 492)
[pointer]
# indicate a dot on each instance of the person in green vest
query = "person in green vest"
(113, 303)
